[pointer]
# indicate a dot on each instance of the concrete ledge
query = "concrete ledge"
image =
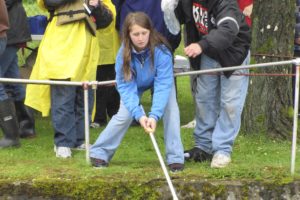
(154, 189)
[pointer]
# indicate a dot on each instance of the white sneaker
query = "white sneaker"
(220, 161)
(95, 125)
(81, 147)
(62, 152)
(191, 124)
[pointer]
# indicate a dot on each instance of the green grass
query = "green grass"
(255, 157)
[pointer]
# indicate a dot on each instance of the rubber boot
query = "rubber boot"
(9, 125)
(26, 120)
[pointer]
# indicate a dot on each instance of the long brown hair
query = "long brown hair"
(155, 39)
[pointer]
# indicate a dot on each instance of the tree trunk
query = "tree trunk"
(270, 97)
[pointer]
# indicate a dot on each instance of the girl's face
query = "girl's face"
(139, 37)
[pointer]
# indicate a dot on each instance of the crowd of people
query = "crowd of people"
(132, 42)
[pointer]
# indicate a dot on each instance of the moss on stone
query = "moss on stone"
(155, 189)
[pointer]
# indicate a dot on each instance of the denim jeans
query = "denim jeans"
(219, 103)
(111, 137)
(67, 113)
(10, 69)
(3, 42)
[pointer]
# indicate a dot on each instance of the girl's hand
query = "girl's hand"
(151, 125)
(143, 122)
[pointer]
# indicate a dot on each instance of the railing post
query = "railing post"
(86, 121)
(295, 123)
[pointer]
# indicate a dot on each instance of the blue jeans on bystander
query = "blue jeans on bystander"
(67, 113)
(10, 69)
(219, 103)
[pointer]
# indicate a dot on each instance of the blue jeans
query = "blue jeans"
(10, 69)
(67, 113)
(3, 42)
(111, 137)
(219, 103)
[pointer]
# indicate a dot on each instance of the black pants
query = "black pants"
(107, 97)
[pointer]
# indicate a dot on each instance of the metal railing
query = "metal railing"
(94, 84)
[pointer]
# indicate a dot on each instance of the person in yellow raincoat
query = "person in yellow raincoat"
(67, 52)
(107, 97)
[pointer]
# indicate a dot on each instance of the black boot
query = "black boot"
(9, 125)
(26, 120)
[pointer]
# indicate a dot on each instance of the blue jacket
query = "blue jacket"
(153, 9)
(144, 77)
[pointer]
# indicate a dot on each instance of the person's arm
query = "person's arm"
(227, 27)
(163, 81)
(127, 89)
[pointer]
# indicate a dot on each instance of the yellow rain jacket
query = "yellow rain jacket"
(108, 38)
(66, 52)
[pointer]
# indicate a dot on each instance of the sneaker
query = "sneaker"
(62, 152)
(81, 147)
(197, 154)
(98, 163)
(191, 124)
(220, 161)
(176, 167)
(95, 125)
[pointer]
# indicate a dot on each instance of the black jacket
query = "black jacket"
(19, 29)
(220, 29)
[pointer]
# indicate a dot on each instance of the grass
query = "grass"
(255, 157)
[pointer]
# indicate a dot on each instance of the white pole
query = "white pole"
(223, 69)
(163, 166)
(86, 123)
(295, 123)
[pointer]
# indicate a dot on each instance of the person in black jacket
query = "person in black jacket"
(217, 36)
(12, 95)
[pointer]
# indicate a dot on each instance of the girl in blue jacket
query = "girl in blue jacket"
(144, 61)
